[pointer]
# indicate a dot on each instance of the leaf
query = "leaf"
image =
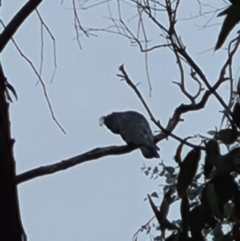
(227, 136)
(224, 186)
(154, 194)
(212, 200)
(155, 170)
(162, 173)
(233, 147)
(232, 18)
(212, 148)
(157, 238)
(225, 165)
(198, 217)
(177, 157)
(229, 210)
(184, 212)
(207, 167)
(212, 156)
(217, 231)
(212, 133)
(198, 176)
(164, 208)
(194, 193)
(170, 169)
(188, 169)
(148, 229)
(235, 152)
(157, 213)
(157, 227)
(146, 173)
(168, 225)
(171, 180)
(172, 237)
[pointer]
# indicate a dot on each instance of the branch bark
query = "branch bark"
(65, 164)
(10, 221)
(17, 21)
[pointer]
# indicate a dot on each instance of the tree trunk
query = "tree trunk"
(10, 221)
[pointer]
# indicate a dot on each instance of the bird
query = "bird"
(232, 18)
(134, 130)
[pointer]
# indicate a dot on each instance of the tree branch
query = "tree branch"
(10, 221)
(176, 118)
(17, 21)
(65, 164)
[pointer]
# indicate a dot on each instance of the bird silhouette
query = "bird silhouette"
(134, 130)
(232, 18)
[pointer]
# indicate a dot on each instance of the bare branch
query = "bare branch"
(43, 24)
(42, 84)
(65, 164)
(157, 123)
(77, 24)
(17, 21)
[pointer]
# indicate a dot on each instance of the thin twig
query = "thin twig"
(157, 123)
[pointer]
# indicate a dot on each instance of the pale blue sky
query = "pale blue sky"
(103, 199)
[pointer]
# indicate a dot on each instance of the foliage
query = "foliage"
(209, 199)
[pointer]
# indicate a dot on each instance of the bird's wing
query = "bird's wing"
(136, 132)
(232, 18)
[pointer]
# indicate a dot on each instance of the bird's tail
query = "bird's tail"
(150, 152)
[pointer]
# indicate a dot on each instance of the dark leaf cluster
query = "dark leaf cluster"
(209, 193)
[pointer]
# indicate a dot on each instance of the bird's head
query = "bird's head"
(111, 122)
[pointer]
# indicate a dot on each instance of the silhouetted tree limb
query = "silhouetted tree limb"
(71, 162)
(17, 21)
(181, 109)
(10, 221)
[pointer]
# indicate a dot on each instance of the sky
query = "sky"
(101, 199)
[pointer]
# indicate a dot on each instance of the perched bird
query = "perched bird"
(232, 18)
(134, 130)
